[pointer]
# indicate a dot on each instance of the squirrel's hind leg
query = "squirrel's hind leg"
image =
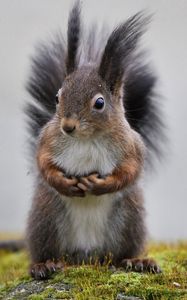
(134, 240)
(42, 233)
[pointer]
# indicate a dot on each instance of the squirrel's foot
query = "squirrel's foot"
(42, 271)
(140, 265)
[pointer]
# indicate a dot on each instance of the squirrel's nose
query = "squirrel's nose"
(68, 128)
(68, 125)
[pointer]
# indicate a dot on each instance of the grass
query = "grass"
(96, 282)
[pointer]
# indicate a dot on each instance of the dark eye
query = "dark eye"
(56, 99)
(99, 103)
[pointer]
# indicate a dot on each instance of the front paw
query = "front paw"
(68, 187)
(97, 185)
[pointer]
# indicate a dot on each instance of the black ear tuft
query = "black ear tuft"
(119, 49)
(73, 37)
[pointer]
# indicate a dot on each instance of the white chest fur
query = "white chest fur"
(88, 216)
(88, 222)
(85, 157)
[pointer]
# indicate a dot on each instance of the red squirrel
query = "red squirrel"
(90, 144)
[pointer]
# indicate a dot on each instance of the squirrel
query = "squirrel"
(94, 123)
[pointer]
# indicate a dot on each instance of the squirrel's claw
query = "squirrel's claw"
(75, 191)
(70, 181)
(94, 184)
(87, 183)
(67, 186)
(82, 187)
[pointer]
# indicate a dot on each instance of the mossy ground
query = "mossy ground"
(96, 282)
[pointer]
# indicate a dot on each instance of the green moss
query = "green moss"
(35, 297)
(96, 282)
(13, 266)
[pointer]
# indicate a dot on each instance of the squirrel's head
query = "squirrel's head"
(90, 99)
(86, 106)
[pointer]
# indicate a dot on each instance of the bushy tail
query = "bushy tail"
(117, 60)
(144, 110)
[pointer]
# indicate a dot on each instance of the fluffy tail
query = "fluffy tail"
(117, 60)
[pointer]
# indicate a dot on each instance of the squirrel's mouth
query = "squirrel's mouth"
(80, 133)
(74, 128)
(80, 127)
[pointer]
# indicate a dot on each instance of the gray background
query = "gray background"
(22, 24)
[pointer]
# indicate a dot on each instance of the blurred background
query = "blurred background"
(22, 24)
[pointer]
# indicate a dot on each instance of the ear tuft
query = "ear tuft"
(119, 49)
(73, 37)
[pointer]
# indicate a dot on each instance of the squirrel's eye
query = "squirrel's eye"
(56, 99)
(99, 103)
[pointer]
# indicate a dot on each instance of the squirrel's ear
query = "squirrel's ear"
(119, 50)
(73, 37)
